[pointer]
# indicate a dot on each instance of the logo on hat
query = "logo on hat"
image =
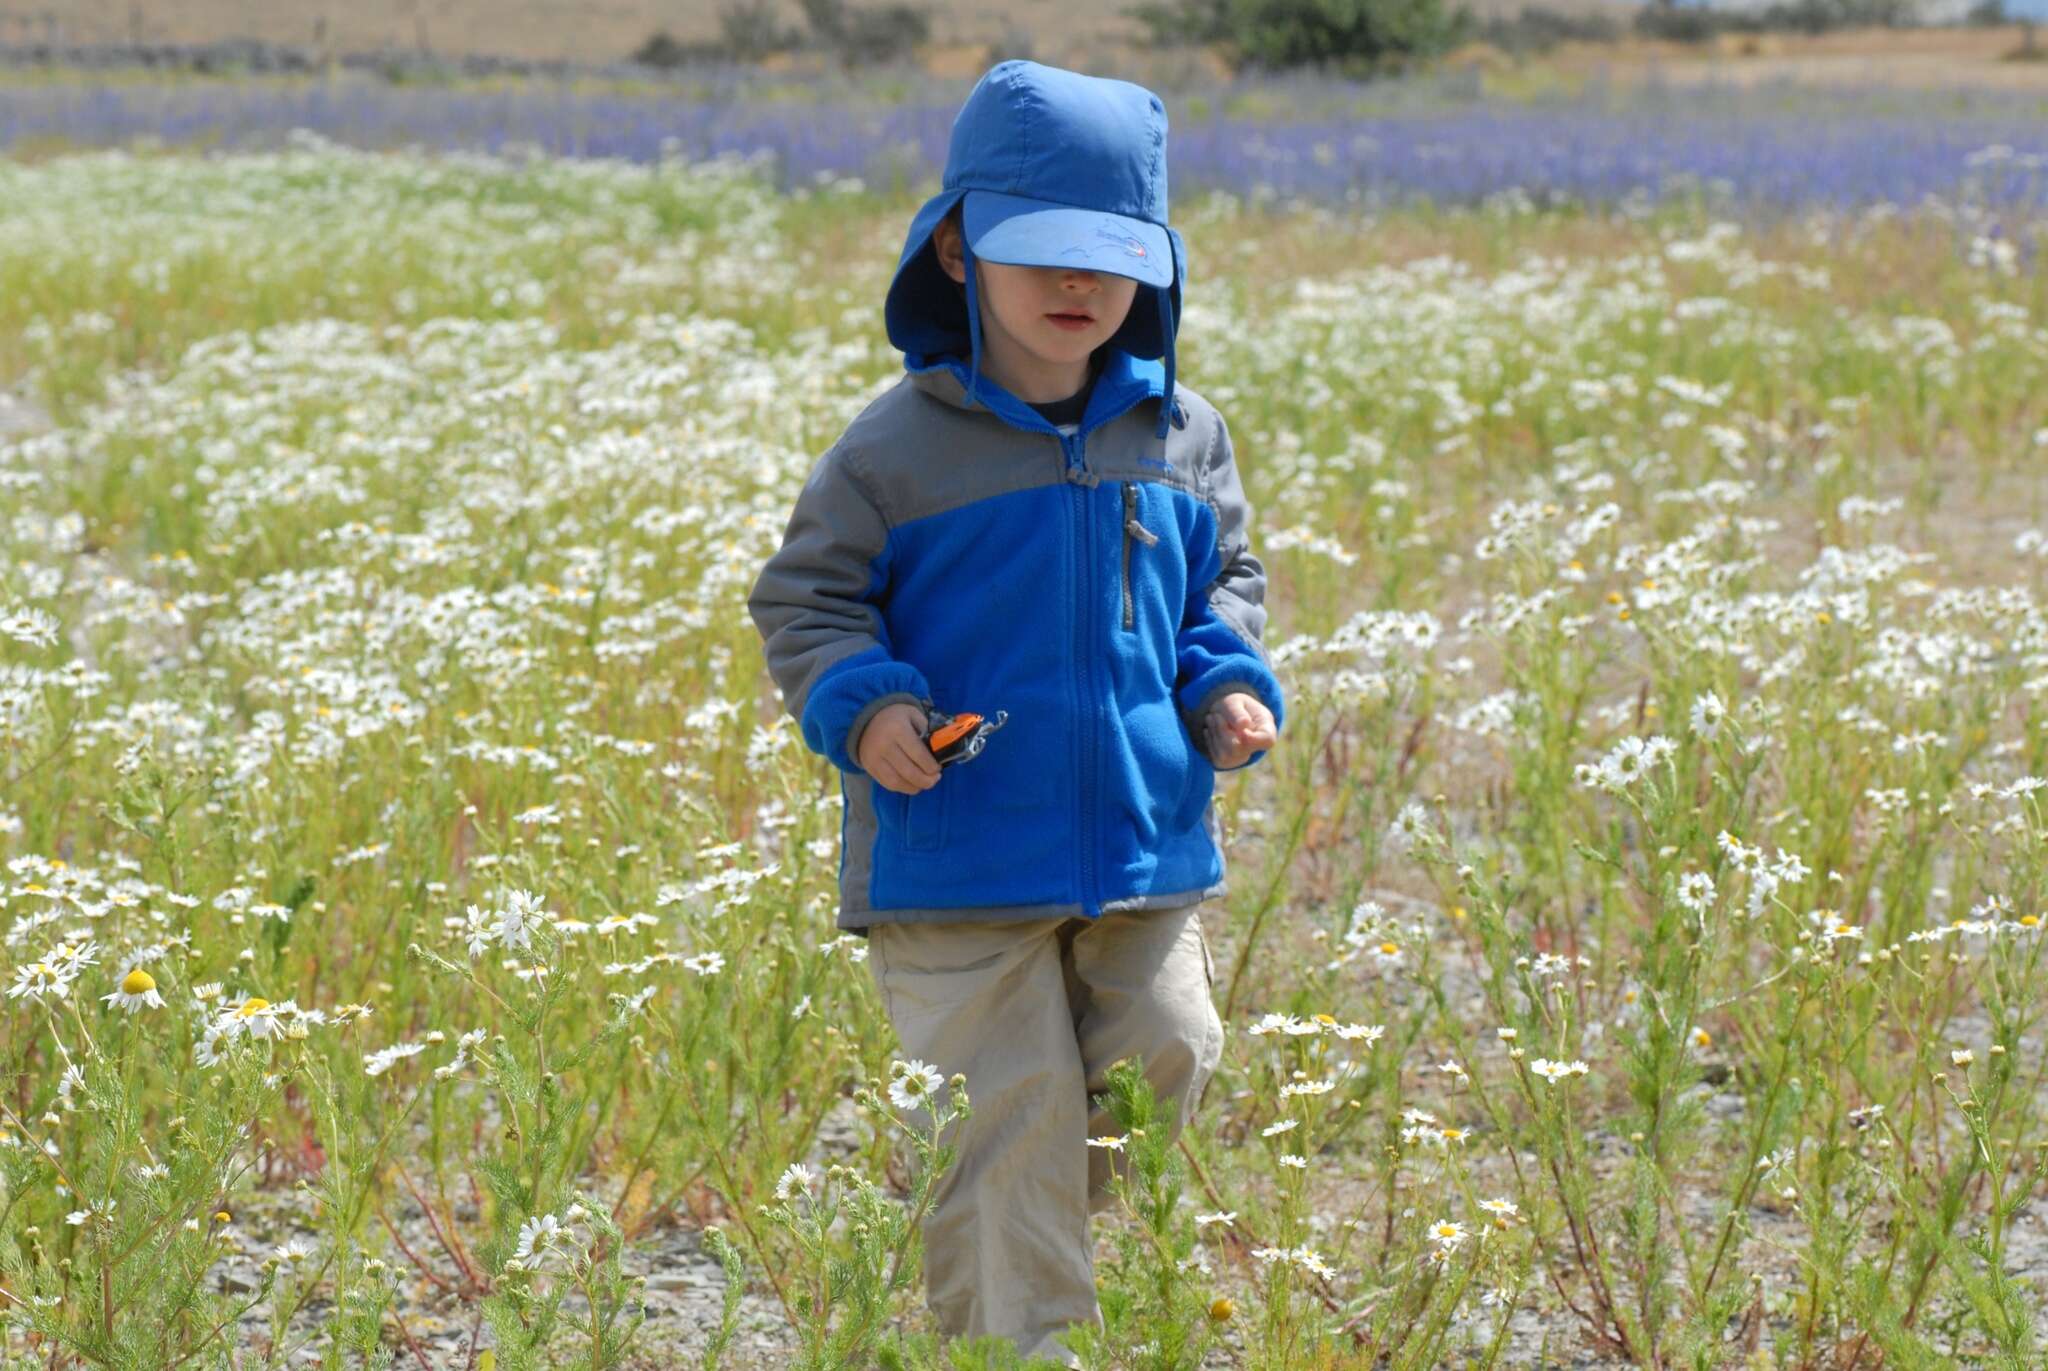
(1117, 234)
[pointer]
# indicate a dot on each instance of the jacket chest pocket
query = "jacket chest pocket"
(1134, 532)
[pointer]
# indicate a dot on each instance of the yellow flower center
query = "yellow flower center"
(137, 982)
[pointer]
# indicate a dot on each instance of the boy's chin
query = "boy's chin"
(1064, 349)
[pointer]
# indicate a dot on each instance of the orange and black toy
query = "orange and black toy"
(959, 737)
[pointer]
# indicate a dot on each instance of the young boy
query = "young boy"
(1034, 522)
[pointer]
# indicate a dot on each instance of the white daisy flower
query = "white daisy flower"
(912, 1083)
(38, 979)
(795, 1177)
(537, 1237)
(1556, 1071)
(137, 989)
(255, 1016)
(522, 912)
(378, 1062)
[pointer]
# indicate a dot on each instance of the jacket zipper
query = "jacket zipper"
(1082, 481)
(1132, 529)
(1084, 849)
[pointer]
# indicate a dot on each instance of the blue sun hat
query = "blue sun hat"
(1056, 169)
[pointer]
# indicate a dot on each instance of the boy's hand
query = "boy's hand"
(1238, 725)
(894, 752)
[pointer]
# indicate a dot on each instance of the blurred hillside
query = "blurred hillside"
(1095, 35)
(1068, 32)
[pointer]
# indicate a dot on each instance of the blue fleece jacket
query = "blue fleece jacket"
(1096, 582)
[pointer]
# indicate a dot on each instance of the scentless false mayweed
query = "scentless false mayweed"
(1696, 891)
(539, 1240)
(1557, 1071)
(254, 1017)
(137, 989)
(450, 643)
(796, 1178)
(912, 1083)
(1629, 761)
(1503, 1211)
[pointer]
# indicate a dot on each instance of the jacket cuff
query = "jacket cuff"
(1201, 694)
(847, 695)
(868, 711)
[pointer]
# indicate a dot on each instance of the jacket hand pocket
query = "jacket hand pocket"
(922, 817)
(1200, 788)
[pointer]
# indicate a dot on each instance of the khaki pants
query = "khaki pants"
(1034, 1012)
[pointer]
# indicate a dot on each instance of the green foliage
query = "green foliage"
(1155, 1308)
(857, 1250)
(1692, 23)
(1351, 36)
(751, 29)
(1539, 28)
(867, 34)
(734, 1268)
(931, 1352)
(395, 524)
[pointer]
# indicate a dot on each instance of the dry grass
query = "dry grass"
(1089, 34)
(1911, 58)
(579, 30)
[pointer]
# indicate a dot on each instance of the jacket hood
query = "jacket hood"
(1066, 142)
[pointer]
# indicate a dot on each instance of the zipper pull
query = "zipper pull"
(1077, 472)
(1131, 524)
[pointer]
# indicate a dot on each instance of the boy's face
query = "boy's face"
(1054, 316)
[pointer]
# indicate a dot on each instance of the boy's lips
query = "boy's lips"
(1072, 319)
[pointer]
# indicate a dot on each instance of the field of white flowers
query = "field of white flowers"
(417, 919)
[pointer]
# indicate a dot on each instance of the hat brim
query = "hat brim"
(1037, 233)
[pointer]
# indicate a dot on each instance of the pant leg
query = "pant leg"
(1007, 1249)
(1141, 985)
